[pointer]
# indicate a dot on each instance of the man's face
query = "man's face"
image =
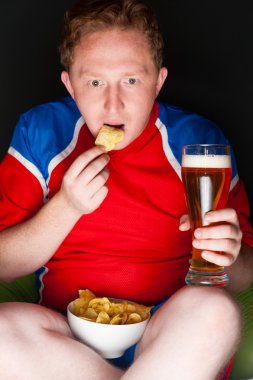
(114, 81)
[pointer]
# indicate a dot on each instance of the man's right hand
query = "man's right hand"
(84, 184)
(83, 190)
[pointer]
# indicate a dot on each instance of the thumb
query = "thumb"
(184, 223)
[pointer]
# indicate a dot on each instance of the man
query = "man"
(82, 218)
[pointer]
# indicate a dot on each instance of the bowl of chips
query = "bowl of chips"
(107, 325)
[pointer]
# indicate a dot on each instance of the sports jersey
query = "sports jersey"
(130, 246)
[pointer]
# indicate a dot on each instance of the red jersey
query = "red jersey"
(131, 246)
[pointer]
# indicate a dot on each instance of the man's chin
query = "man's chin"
(121, 145)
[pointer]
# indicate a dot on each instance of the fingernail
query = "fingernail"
(197, 234)
(195, 243)
(204, 255)
(207, 218)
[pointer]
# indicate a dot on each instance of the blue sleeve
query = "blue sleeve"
(185, 128)
(44, 131)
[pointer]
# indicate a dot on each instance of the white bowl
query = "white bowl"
(110, 341)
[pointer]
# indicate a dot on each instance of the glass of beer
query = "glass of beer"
(206, 175)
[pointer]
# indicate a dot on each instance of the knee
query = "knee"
(9, 332)
(213, 308)
(15, 320)
(31, 317)
(7, 316)
(202, 311)
(29, 326)
(15, 313)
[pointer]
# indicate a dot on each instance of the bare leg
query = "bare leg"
(36, 344)
(192, 336)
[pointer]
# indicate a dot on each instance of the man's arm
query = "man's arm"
(27, 246)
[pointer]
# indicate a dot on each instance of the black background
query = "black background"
(209, 54)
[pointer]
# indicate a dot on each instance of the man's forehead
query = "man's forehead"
(121, 51)
(109, 38)
(108, 32)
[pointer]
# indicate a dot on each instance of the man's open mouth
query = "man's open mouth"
(120, 126)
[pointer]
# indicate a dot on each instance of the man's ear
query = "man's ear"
(66, 80)
(161, 79)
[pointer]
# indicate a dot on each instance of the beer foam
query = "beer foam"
(209, 161)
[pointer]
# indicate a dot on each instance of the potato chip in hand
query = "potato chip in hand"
(109, 136)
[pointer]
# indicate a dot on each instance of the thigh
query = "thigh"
(190, 311)
(36, 343)
(29, 317)
(193, 335)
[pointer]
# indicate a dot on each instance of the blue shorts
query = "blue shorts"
(127, 359)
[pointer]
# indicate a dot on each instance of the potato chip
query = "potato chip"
(90, 313)
(129, 307)
(88, 319)
(106, 311)
(117, 320)
(103, 317)
(116, 308)
(143, 311)
(100, 304)
(100, 301)
(87, 294)
(133, 318)
(109, 136)
(81, 303)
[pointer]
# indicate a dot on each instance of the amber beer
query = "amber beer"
(206, 174)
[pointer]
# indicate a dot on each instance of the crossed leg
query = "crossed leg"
(193, 335)
(37, 344)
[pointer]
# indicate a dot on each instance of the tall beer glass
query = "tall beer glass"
(206, 174)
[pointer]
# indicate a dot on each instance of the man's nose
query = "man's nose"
(113, 99)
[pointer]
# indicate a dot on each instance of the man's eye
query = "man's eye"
(96, 83)
(131, 80)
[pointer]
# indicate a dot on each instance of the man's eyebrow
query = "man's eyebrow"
(93, 74)
(83, 72)
(135, 72)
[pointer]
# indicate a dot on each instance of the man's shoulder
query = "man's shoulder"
(48, 121)
(56, 111)
(188, 127)
(183, 120)
(183, 127)
(45, 131)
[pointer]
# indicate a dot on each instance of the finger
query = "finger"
(228, 215)
(228, 246)
(93, 169)
(184, 223)
(221, 259)
(83, 160)
(97, 183)
(221, 231)
(99, 196)
(105, 173)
